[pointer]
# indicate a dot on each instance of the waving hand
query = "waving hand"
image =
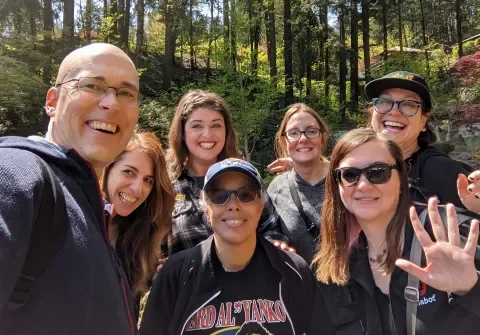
(450, 268)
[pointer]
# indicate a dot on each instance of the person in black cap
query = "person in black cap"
(401, 107)
(235, 277)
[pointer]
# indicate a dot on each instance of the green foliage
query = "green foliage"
(21, 93)
(156, 115)
(257, 106)
(398, 62)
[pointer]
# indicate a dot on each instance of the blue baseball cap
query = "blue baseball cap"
(232, 165)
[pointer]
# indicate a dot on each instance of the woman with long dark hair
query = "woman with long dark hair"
(366, 240)
(140, 198)
(200, 135)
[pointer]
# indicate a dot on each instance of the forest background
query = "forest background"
(259, 55)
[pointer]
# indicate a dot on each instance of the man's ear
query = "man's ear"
(51, 102)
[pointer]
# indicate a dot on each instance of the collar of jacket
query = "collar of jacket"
(208, 281)
(360, 267)
(186, 182)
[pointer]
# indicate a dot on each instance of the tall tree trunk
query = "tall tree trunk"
(233, 34)
(326, 68)
(106, 14)
(33, 24)
(321, 46)
(215, 40)
(89, 20)
(384, 28)
(342, 67)
(47, 39)
(18, 20)
(121, 23)
(287, 51)
(400, 24)
(458, 17)
(327, 75)
(125, 32)
(354, 56)
(425, 42)
(68, 25)
(226, 32)
(180, 70)
(140, 31)
(271, 40)
(309, 53)
(255, 33)
(170, 39)
(250, 30)
(366, 37)
(210, 40)
(190, 30)
(113, 36)
(47, 48)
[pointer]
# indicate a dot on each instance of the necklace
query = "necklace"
(379, 258)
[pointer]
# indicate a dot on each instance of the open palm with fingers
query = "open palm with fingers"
(450, 267)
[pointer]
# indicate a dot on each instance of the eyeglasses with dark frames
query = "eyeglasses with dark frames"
(378, 173)
(405, 107)
(295, 134)
(98, 88)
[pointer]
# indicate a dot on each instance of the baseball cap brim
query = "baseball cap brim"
(238, 169)
(374, 88)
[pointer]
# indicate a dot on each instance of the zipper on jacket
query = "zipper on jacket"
(390, 308)
(285, 308)
(199, 307)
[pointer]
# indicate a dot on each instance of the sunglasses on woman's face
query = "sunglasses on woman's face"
(246, 195)
(378, 173)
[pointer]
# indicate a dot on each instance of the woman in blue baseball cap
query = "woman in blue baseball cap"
(401, 107)
(235, 280)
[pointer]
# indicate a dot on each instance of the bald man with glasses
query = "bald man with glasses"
(58, 273)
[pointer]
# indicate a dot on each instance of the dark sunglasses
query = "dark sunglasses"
(378, 173)
(246, 195)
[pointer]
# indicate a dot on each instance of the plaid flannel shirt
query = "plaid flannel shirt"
(190, 224)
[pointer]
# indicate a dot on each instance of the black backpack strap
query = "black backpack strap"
(411, 292)
(48, 233)
(311, 228)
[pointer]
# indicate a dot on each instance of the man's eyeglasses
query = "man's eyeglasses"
(97, 88)
(246, 195)
(295, 134)
(405, 107)
(378, 173)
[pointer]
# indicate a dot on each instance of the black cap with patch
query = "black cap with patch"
(400, 79)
